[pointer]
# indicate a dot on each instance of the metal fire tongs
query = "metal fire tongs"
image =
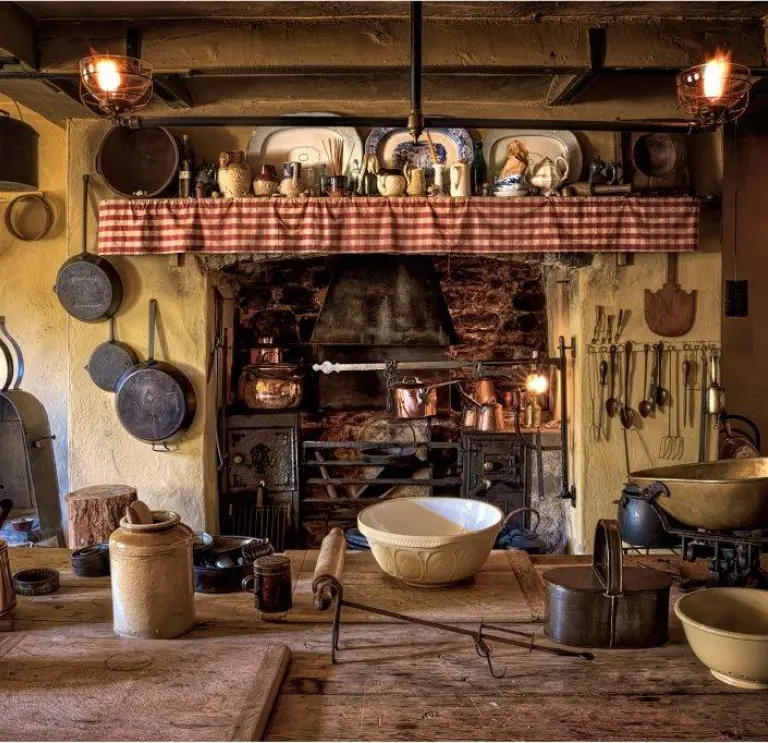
(328, 591)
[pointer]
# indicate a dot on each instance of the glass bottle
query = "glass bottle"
(186, 169)
(479, 170)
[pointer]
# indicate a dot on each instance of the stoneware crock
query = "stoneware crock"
(153, 587)
(727, 629)
(431, 541)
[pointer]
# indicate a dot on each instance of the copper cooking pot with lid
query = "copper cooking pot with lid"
(605, 604)
(271, 386)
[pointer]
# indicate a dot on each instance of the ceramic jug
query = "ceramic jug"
(461, 181)
(548, 176)
(234, 175)
(266, 183)
(416, 180)
(391, 182)
(153, 587)
(438, 179)
(291, 183)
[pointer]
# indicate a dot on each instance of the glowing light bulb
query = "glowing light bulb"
(716, 72)
(536, 384)
(108, 76)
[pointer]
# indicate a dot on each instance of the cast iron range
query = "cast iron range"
(733, 556)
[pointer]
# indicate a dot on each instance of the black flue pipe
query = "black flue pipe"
(416, 54)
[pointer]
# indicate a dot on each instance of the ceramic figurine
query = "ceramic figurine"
(368, 185)
(461, 179)
(234, 174)
(391, 182)
(291, 185)
(416, 180)
(549, 176)
(266, 183)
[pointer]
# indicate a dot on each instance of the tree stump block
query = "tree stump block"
(95, 512)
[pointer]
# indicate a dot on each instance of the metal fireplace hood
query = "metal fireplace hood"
(384, 300)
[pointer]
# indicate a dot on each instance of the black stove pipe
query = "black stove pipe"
(415, 124)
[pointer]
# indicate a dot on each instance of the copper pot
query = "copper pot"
(266, 355)
(271, 386)
(414, 399)
(490, 417)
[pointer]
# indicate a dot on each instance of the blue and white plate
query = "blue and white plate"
(394, 147)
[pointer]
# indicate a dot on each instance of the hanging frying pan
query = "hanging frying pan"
(155, 400)
(110, 360)
(89, 286)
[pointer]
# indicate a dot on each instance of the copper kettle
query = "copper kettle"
(482, 411)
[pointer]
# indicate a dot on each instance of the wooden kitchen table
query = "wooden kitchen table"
(399, 681)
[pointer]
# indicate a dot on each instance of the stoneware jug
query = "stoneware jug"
(416, 180)
(234, 175)
(461, 182)
(153, 587)
(291, 184)
(391, 182)
(266, 182)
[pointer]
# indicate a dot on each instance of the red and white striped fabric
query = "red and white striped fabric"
(399, 225)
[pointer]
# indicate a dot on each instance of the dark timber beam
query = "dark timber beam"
(569, 90)
(174, 91)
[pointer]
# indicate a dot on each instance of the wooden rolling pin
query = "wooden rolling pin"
(329, 568)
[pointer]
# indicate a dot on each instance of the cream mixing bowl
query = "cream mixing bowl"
(431, 541)
(727, 629)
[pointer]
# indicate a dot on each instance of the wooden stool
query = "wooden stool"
(95, 512)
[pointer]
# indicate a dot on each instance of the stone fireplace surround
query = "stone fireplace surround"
(498, 307)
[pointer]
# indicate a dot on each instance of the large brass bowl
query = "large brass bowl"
(731, 494)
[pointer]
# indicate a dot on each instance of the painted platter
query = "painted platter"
(275, 145)
(394, 147)
(540, 143)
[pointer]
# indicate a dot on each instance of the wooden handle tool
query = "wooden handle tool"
(329, 567)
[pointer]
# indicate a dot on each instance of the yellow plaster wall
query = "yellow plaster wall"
(27, 274)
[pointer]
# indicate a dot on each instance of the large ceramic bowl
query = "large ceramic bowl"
(727, 629)
(430, 541)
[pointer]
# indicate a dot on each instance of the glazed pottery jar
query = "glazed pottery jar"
(266, 182)
(153, 587)
(234, 175)
(416, 179)
(391, 182)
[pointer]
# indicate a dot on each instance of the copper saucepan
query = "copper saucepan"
(412, 399)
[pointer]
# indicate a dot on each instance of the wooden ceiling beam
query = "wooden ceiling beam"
(17, 35)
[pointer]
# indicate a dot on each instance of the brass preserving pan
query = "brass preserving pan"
(725, 495)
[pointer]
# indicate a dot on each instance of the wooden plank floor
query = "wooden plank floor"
(402, 682)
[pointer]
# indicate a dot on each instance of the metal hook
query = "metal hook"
(483, 649)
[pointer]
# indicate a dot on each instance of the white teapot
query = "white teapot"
(391, 182)
(548, 176)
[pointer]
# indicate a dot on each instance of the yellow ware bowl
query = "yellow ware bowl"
(727, 629)
(430, 541)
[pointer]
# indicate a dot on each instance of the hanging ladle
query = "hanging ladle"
(645, 406)
(612, 404)
(626, 414)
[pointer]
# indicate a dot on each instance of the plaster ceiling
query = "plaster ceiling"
(608, 12)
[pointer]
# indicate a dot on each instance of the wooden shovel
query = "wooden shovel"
(670, 312)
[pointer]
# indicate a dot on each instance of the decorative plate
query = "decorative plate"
(394, 147)
(540, 143)
(275, 145)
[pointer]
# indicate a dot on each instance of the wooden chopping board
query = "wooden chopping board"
(494, 594)
(86, 688)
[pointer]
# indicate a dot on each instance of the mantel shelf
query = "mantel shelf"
(478, 225)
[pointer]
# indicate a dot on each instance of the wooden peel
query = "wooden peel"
(670, 312)
(329, 567)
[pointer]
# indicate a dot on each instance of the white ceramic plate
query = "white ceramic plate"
(394, 147)
(275, 145)
(539, 143)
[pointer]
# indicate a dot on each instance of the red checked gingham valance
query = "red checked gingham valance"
(399, 225)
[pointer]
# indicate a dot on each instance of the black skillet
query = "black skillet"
(88, 286)
(110, 360)
(155, 400)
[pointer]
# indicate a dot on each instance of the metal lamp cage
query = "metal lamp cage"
(711, 110)
(132, 85)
